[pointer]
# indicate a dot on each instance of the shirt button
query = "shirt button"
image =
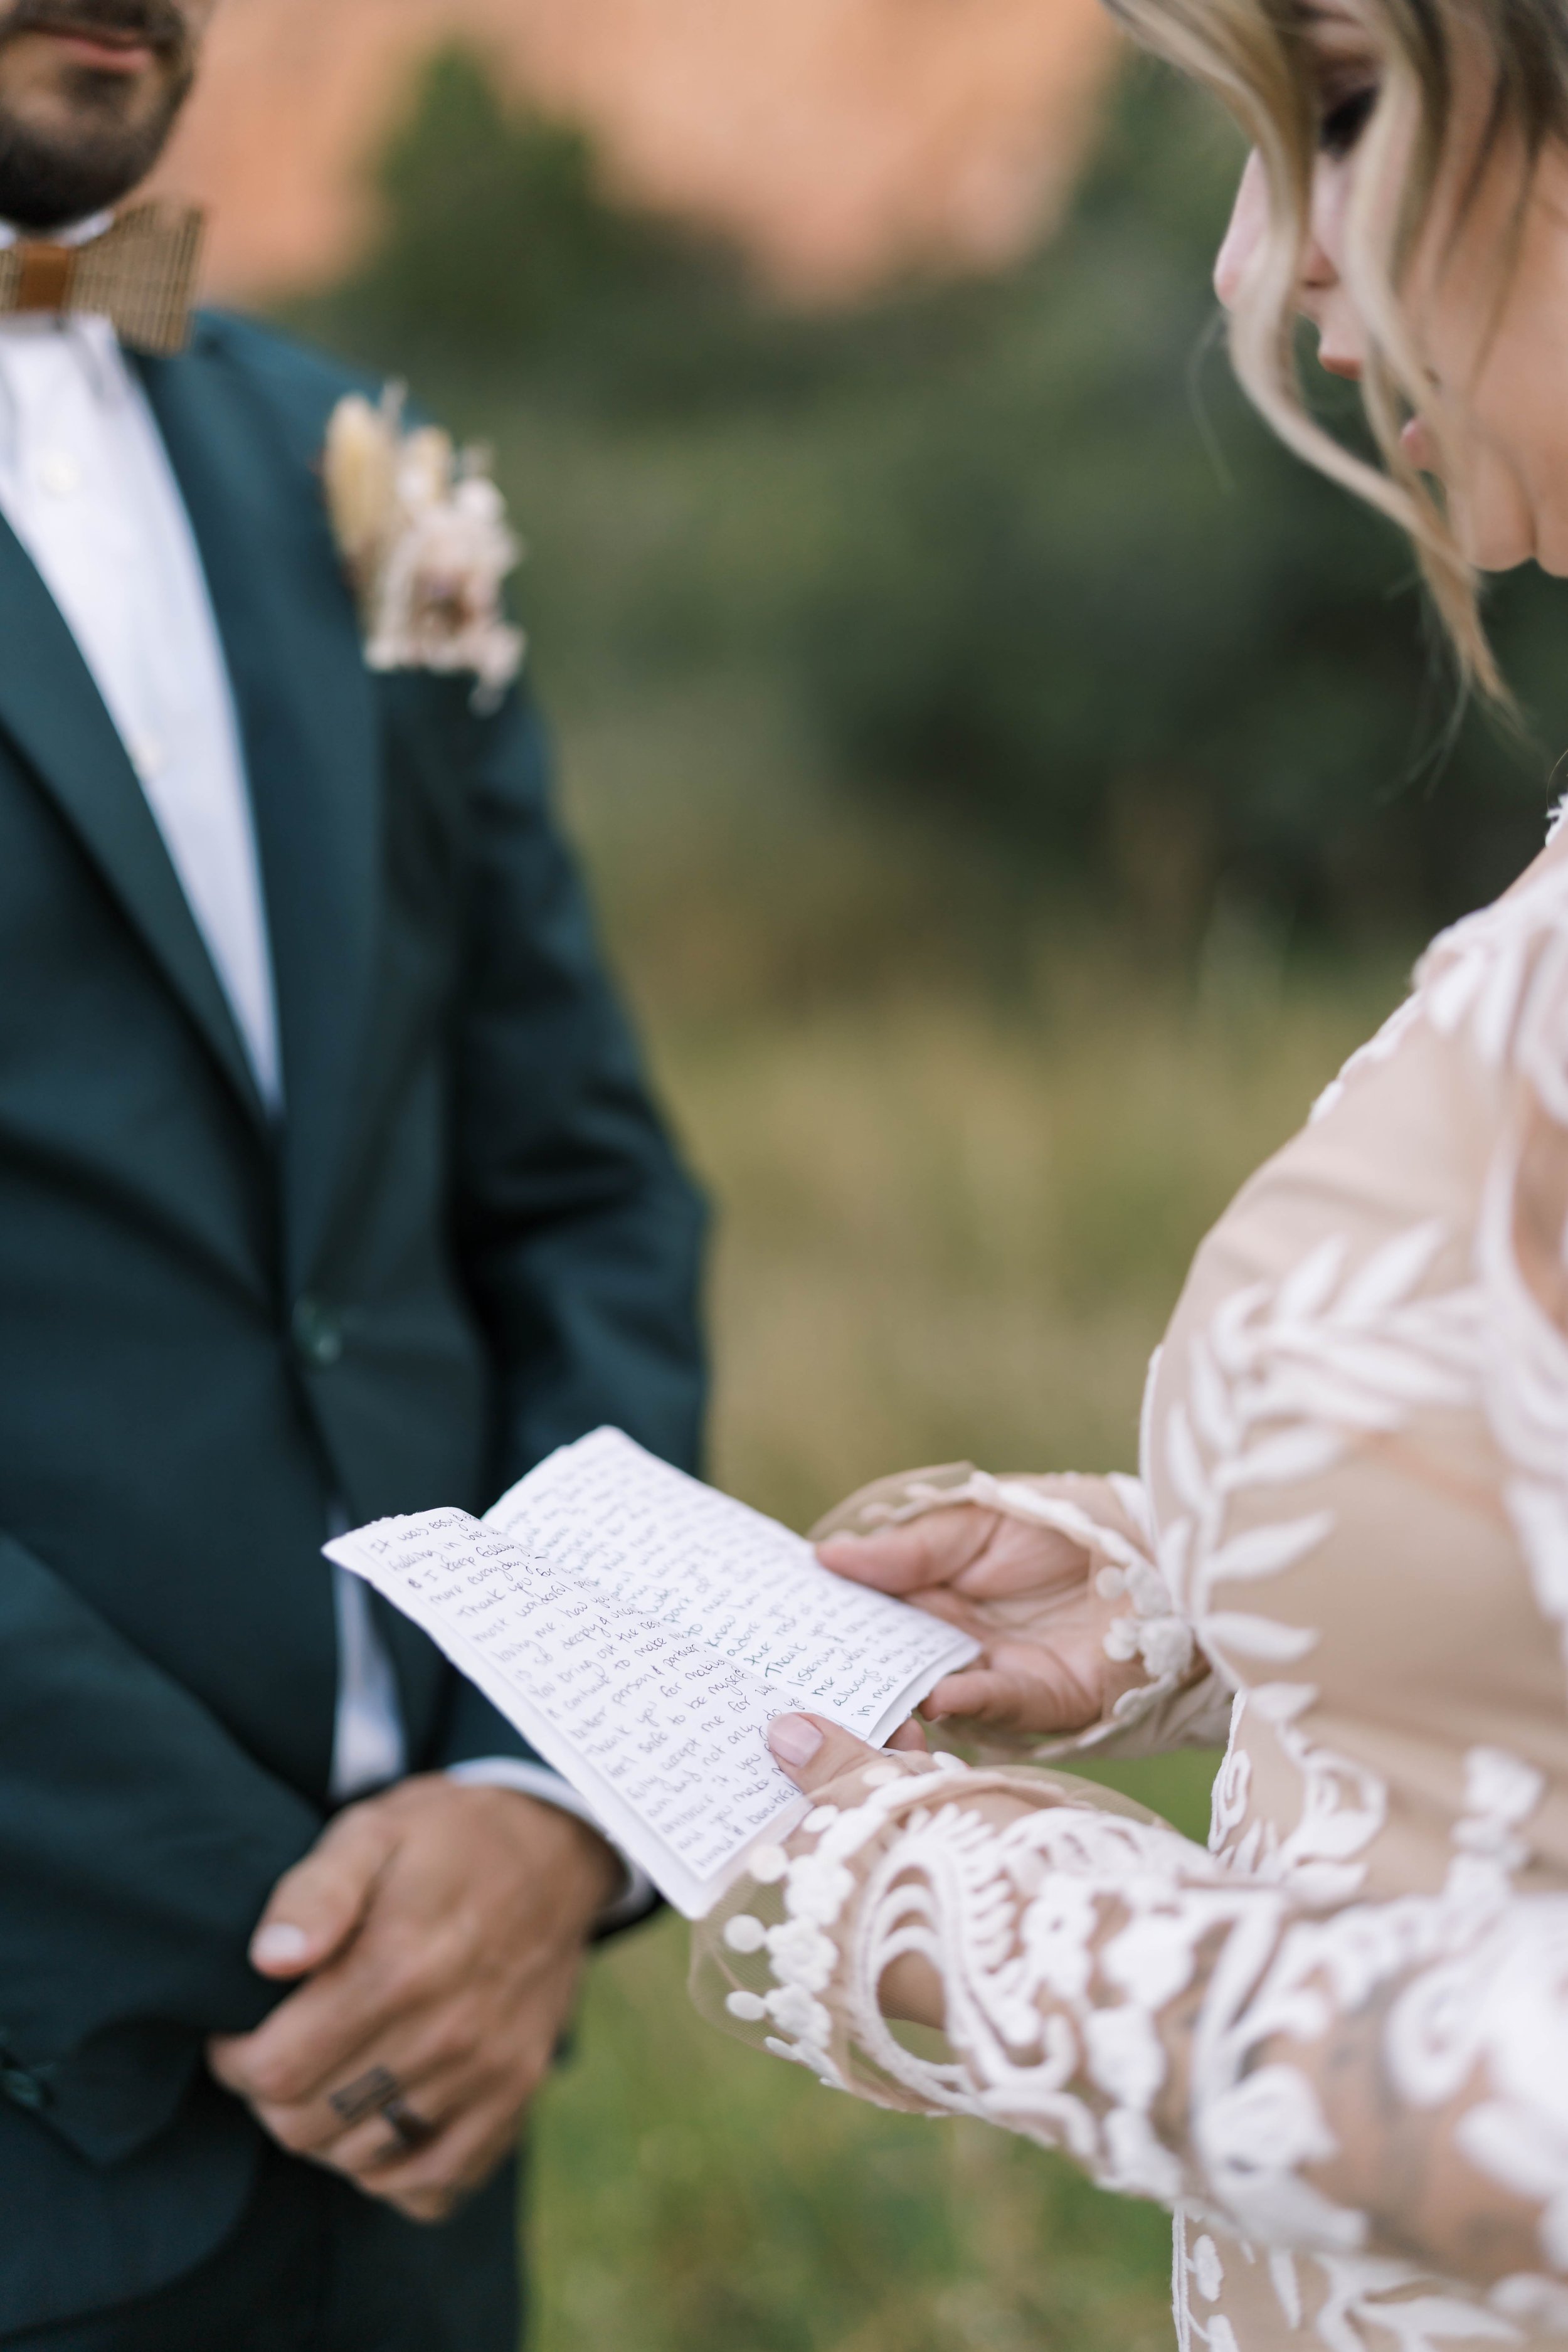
(147, 757)
(59, 474)
(318, 1333)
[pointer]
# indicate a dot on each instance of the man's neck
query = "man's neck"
(75, 233)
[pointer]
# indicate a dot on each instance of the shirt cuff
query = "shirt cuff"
(636, 1898)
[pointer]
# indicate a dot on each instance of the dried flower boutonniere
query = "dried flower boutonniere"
(424, 534)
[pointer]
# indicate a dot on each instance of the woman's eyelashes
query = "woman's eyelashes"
(1344, 118)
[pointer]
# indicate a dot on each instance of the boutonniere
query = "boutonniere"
(424, 536)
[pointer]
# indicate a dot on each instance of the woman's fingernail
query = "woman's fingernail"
(280, 1944)
(794, 1739)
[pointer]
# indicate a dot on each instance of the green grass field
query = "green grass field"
(953, 1221)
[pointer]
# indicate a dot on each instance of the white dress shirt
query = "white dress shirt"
(87, 486)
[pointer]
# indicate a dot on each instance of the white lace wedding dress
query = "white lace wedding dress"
(1335, 2043)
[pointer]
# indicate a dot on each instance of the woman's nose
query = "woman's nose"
(1318, 293)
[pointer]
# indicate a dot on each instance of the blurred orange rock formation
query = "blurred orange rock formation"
(839, 139)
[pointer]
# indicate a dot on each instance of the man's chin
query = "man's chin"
(53, 175)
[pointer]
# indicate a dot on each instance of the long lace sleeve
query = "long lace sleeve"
(1386, 2084)
(1337, 2043)
(1180, 1701)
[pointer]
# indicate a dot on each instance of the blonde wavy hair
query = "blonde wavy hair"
(1255, 57)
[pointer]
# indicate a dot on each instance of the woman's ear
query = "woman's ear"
(1247, 227)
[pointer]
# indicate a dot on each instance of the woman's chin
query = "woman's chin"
(1493, 561)
(1503, 542)
(1500, 525)
(1550, 549)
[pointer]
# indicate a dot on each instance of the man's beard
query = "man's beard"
(49, 181)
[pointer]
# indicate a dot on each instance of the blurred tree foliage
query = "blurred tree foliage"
(497, 236)
(503, 249)
(1067, 589)
(1090, 601)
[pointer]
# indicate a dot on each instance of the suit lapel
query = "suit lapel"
(309, 722)
(311, 728)
(51, 709)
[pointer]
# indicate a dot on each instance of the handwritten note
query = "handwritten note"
(641, 1630)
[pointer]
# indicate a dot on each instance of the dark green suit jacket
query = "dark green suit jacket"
(470, 1242)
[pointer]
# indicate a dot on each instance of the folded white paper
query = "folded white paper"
(641, 1630)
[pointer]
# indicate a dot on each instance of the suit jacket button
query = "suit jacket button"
(24, 2090)
(318, 1334)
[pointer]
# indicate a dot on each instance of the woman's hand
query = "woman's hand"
(813, 1752)
(1028, 1592)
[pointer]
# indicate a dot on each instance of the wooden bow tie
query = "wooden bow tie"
(141, 275)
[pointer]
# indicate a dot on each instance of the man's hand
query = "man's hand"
(1027, 1592)
(440, 1931)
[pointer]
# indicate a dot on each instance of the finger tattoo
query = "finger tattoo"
(367, 2095)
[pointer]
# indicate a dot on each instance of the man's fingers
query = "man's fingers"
(436, 2066)
(385, 2009)
(312, 1914)
(428, 2184)
(431, 2186)
(329, 2030)
(366, 2139)
(375, 2149)
(932, 1550)
(445, 2111)
(315, 1907)
(909, 1739)
(294, 2062)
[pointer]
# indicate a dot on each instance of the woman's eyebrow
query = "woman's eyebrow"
(1323, 16)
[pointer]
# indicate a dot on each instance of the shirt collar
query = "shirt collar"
(92, 338)
(80, 233)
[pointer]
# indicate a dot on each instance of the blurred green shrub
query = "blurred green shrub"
(503, 250)
(1031, 563)
(1086, 602)
(499, 244)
